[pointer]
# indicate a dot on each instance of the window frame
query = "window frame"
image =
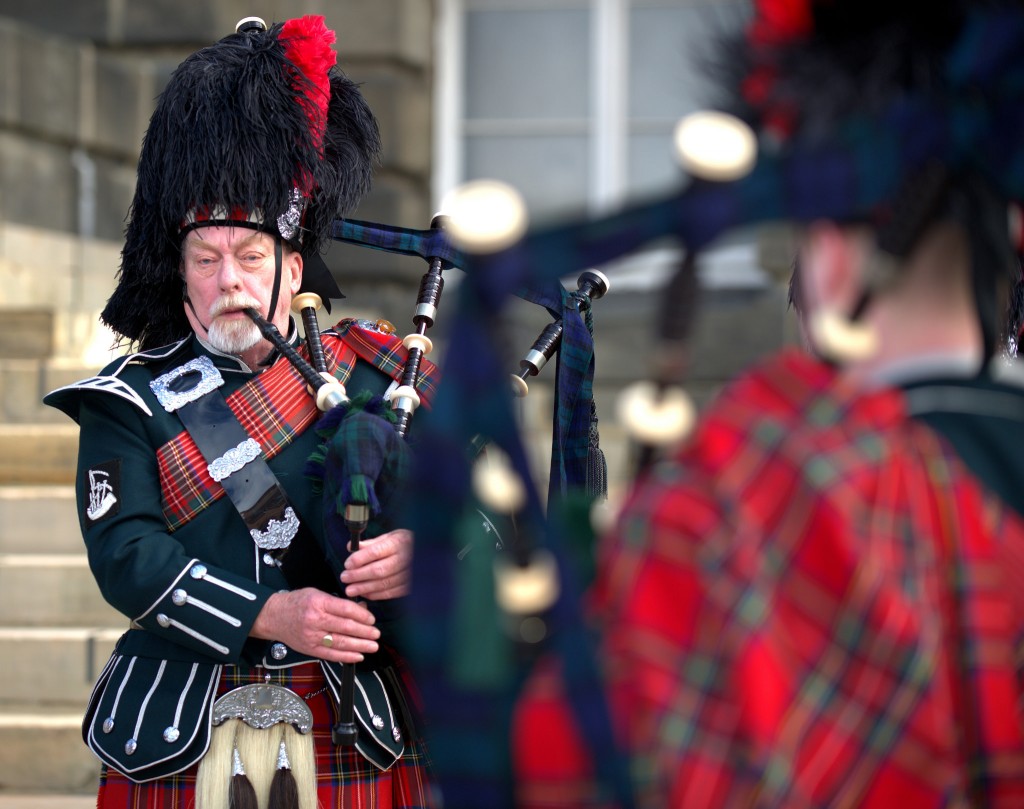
(608, 128)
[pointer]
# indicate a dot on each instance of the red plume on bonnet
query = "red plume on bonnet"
(777, 21)
(307, 45)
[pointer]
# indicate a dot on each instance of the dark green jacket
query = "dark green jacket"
(191, 595)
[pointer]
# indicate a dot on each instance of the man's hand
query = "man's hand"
(381, 568)
(303, 618)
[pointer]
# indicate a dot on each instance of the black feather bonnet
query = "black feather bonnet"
(260, 129)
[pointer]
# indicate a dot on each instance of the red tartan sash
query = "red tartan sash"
(274, 408)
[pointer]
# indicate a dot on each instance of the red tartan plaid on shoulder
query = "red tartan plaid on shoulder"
(274, 408)
(813, 605)
(386, 352)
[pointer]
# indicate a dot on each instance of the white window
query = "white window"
(573, 102)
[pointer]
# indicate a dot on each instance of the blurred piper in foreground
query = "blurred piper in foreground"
(818, 600)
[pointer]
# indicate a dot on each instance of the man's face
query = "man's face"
(226, 270)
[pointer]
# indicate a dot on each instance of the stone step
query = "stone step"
(26, 332)
(38, 453)
(52, 590)
(53, 667)
(39, 519)
(43, 750)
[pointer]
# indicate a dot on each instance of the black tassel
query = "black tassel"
(242, 795)
(284, 792)
(597, 465)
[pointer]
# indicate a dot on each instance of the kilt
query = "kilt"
(344, 778)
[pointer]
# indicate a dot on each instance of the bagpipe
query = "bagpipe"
(364, 461)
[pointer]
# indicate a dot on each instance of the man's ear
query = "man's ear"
(295, 271)
(832, 261)
(831, 266)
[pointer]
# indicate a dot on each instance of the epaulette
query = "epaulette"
(108, 380)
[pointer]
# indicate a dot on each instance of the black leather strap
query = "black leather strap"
(236, 460)
(238, 463)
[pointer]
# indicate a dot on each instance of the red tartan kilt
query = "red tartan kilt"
(344, 778)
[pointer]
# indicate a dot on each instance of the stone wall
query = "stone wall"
(77, 85)
(78, 81)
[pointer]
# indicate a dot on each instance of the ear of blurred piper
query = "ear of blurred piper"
(922, 306)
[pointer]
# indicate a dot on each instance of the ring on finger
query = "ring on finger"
(328, 640)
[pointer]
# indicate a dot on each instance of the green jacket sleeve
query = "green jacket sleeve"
(179, 586)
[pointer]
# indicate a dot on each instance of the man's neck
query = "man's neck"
(918, 341)
(257, 355)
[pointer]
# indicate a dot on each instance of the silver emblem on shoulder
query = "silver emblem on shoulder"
(278, 533)
(171, 400)
(234, 459)
(262, 706)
